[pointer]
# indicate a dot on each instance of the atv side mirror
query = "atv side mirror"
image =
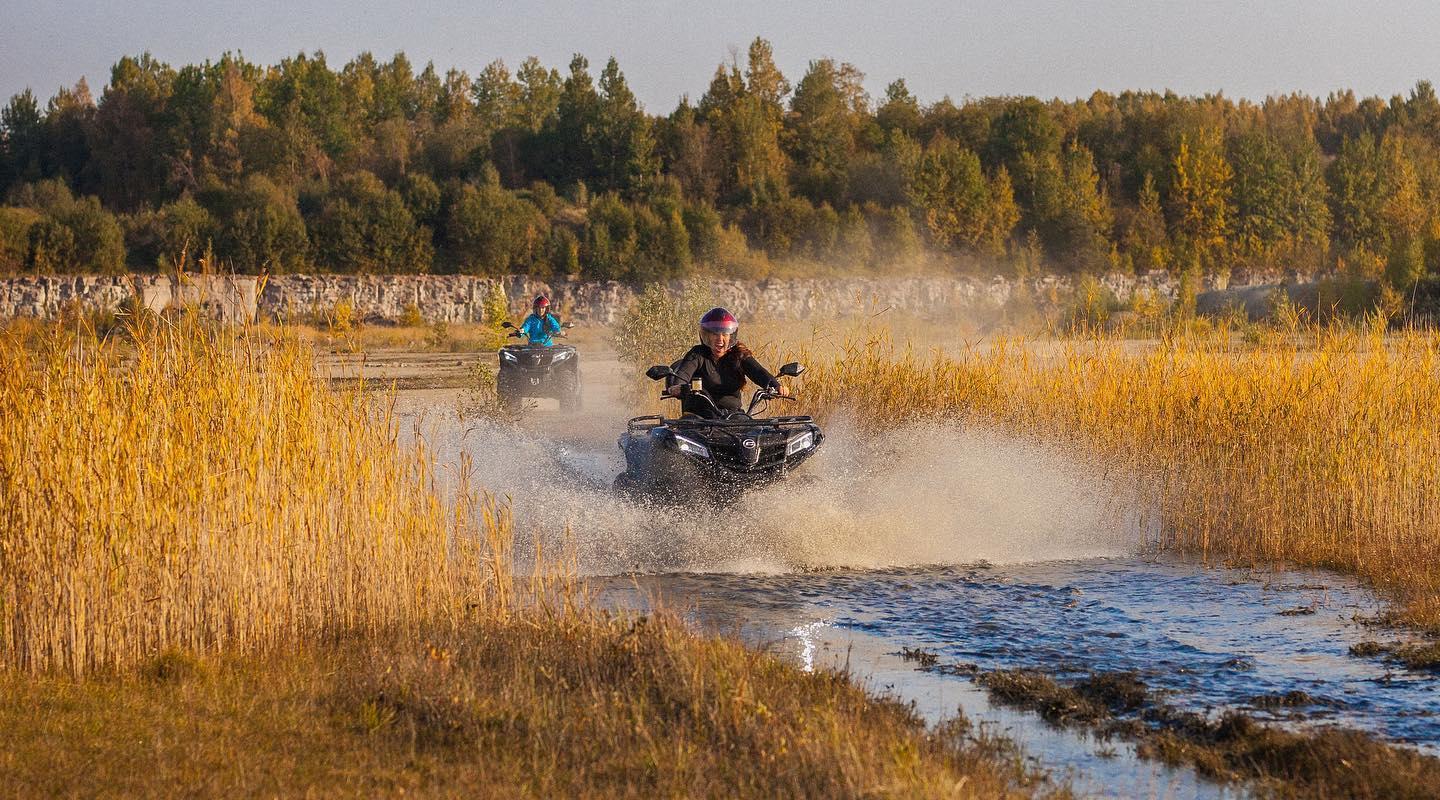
(506, 324)
(659, 371)
(792, 369)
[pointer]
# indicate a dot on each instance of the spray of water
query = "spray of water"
(926, 494)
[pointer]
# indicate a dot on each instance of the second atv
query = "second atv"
(531, 370)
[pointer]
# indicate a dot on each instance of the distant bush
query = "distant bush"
(658, 327)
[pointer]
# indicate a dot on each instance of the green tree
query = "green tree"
(961, 208)
(22, 140)
(746, 135)
(900, 111)
(497, 98)
(1279, 197)
(822, 132)
(1405, 214)
(571, 136)
(624, 145)
(128, 138)
(539, 99)
(1357, 195)
(764, 81)
(1200, 197)
(305, 102)
(1146, 240)
(68, 120)
(1069, 208)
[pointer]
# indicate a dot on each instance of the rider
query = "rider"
(721, 364)
(541, 325)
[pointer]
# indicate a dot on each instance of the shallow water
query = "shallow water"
(1209, 638)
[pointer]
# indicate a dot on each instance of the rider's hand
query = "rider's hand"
(782, 390)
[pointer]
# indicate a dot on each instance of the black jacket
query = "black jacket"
(723, 379)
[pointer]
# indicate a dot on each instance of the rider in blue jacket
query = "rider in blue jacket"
(541, 325)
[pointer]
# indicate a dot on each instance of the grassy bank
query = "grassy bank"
(573, 707)
(218, 576)
(1317, 448)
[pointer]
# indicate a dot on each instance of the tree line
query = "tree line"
(377, 168)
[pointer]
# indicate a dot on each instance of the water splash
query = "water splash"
(924, 494)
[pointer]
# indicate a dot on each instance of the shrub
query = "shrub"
(658, 327)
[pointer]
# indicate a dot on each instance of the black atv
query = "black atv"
(531, 370)
(713, 459)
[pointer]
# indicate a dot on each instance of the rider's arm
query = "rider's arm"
(684, 370)
(528, 327)
(757, 373)
(551, 323)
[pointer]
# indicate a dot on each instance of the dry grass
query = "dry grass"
(439, 337)
(1319, 447)
(576, 707)
(184, 489)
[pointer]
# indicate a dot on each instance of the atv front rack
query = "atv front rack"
(648, 422)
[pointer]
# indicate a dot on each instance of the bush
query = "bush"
(92, 239)
(51, 247)
(260, 227)
(173, 238)
(490, 231)
(1091, 306)
(361, 226)
(658, 327)
(15, 225)
(410, 316)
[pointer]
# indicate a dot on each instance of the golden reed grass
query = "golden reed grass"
(194, 490)
(1319, 447)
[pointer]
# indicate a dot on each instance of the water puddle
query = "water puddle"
(1208, 639)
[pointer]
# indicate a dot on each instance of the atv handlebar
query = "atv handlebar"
(760, 396)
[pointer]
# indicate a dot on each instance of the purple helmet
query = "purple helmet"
(718, 320)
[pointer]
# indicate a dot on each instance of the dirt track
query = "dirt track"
(428, 383)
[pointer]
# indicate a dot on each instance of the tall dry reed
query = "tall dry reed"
(1320, 447)
(187, 488)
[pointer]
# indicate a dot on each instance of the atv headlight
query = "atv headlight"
(804, 441)
(506, 355)
(691, 446)
(564, 354)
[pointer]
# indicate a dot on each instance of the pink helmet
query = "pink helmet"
(718, 320)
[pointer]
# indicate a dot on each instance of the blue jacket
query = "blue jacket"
(540, 331)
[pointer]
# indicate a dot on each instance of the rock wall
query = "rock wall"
(461, 298)
(227, 297)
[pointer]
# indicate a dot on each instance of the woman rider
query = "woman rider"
(541, 325)
(722, 364)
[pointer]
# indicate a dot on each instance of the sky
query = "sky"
(1244, 48)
